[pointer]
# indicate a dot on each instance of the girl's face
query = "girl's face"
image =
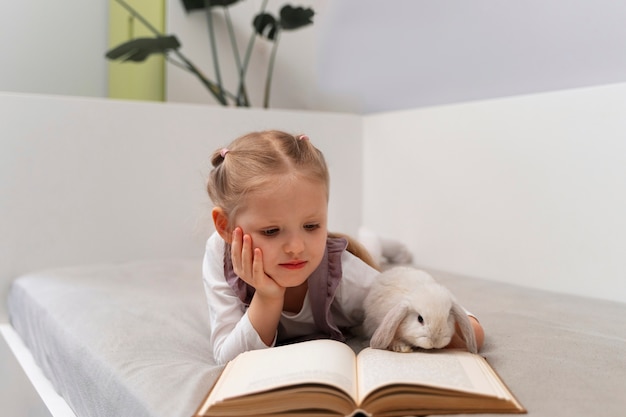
(289, 224)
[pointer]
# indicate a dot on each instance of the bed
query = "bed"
(130, 339)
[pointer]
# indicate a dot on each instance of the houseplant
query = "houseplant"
(264, 25)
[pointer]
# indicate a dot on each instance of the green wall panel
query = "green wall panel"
(131, 80)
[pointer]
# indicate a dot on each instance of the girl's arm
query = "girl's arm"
(231, 331)
(457, 340)
(265, 310)
(267, 303)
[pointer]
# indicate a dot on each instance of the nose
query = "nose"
(294, 244)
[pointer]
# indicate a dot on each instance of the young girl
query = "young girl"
(272, 272)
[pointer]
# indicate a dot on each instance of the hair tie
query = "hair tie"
(223, 152)
(303, 137)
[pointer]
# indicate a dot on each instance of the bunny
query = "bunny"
(406, 308)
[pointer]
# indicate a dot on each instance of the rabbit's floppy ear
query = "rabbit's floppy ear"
(467, 331)
(385, 332)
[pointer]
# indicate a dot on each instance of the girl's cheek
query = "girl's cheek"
(268, 251)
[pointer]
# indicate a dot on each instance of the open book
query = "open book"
(326, 378)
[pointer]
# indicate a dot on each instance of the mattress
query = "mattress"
(132, 339)
(119, 340)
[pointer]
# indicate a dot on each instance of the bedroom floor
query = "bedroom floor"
(18, 395)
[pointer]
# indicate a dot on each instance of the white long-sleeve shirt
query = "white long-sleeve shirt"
(231, 330)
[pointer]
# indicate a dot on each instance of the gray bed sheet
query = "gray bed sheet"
(132, 340)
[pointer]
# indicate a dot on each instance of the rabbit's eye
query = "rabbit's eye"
(420, 319)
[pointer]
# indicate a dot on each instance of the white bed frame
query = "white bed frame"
(55, 403)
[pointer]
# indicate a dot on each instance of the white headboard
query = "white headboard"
(95, 180)
(527, 190)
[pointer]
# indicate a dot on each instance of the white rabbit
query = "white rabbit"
(406, 308)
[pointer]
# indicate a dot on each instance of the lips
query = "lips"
(294, 265)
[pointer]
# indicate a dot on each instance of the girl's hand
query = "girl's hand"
(267, 303)
(248, 265)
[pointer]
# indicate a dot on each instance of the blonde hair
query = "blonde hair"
(252, 162)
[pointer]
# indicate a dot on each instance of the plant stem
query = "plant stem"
(241, 91)
(186, 68)
(139, 17)
(270, 69)
(217, 91)
(216, 66)
(242, 98)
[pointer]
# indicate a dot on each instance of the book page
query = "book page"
(453, 369)
(318, 361)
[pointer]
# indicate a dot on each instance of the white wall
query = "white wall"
(404, 54)
(93, 180)
(528, 190)
(54, 47)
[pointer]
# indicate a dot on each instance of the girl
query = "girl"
(272, 272)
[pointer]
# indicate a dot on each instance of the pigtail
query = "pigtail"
(357, 249)
(217, 183)
(218, 157)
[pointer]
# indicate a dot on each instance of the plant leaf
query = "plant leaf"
(139, 49)
(265, 25)
(191, 5)
(295, 17)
